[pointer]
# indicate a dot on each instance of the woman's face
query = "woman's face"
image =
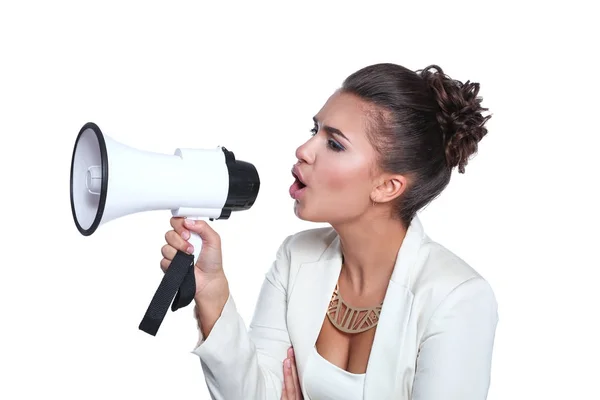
(336, 164)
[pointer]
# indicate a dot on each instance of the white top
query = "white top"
(326, 381)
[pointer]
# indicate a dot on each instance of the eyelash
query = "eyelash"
(331, 144)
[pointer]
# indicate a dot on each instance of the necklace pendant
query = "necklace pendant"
(350, 319)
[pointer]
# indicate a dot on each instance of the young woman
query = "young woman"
(370, 307)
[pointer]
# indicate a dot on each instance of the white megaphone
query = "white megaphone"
(110, 180)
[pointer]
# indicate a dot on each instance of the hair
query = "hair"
(422, 124)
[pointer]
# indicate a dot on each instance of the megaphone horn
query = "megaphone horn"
(110, 180)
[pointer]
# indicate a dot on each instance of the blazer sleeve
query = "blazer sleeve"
(455, 356)
(240, 363)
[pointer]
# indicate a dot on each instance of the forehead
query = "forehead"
(348, 113)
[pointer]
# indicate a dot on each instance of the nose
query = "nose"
(305, 154)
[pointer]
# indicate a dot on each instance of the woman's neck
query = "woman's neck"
(370, 248)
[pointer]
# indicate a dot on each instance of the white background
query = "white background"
(250, 76)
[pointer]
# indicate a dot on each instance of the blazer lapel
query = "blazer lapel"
(308, 302)
(382, 368)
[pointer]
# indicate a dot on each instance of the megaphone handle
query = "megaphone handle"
(196, 241)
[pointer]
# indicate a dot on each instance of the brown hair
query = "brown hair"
(424, 124)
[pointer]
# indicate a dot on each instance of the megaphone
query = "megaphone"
(110, 180)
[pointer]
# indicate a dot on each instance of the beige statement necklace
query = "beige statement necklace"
(350, 319)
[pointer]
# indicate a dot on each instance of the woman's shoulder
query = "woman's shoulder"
(442, 264)
(443, 275)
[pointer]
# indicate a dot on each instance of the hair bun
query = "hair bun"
(460, 115)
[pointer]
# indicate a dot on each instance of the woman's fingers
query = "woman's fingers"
(164, 264)
(295, 379)
(174, 243)
(291, 383)
(175, 240)
(210, 237)
(168, 252)
(284, 389)
(177, 224)
(289, 386)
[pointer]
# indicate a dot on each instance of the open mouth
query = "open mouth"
(298, 181)
(297, 186)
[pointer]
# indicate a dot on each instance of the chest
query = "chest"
(348, 351)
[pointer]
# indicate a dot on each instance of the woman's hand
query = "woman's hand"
(210, 278)
(291, 383)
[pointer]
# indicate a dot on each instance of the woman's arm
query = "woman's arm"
(455, 357)
(247, 364)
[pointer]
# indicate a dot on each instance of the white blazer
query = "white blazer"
(434, 339)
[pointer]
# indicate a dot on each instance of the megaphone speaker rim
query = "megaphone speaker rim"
(104, 185)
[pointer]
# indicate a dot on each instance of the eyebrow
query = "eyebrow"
(331, 130)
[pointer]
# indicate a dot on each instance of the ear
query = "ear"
(389, 188)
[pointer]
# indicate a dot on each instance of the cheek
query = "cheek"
(337, 181)
(346, 180)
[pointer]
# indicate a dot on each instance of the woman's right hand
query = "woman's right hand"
(208, 270)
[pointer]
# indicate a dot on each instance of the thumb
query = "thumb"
(209, 236)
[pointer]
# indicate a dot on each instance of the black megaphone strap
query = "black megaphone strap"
(179, 283)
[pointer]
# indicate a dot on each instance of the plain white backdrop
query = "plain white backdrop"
(250, 76)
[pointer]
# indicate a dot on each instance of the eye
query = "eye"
(335, 146)
(331, 143)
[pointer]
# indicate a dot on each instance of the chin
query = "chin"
(305, 214)
(299, 211)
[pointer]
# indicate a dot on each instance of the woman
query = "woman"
(369, 308)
